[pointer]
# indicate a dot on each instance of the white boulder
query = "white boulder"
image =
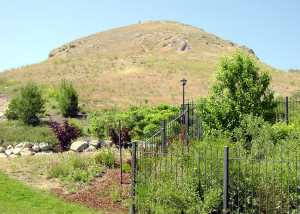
(20, 145)
(27, 152)
(36, 147)
(17, 151)
(3, 155)
(9, 150)
(91, 149)
(44, 146)
(95, 143)
(79, 146)
(27, 145)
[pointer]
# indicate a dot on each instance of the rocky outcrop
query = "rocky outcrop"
(184, 46)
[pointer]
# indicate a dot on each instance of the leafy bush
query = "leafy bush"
(106, 158)
(97, 123)
(67, 97)
(28, 106)
(253, 130)
(74, 169)
(65, 134)
(80, 125)
(126, 167)
(168, 195)
(140, 121)
(143, 121)
(239, 89)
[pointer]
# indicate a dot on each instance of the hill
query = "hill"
(140, 64)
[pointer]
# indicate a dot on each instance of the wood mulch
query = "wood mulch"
(105, 193)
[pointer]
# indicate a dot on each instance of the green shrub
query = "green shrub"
(239, 89)
(28, 106)
(80, 125)
(58, 170)
(67, 97)
(97, 124)
(253, 130)
(106, 158)
(126, 167)
(74, 169)
(168, 195)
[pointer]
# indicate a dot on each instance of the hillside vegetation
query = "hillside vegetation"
(140, 64)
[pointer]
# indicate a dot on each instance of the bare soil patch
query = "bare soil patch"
(105, 193)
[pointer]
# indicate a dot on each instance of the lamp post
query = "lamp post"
(183, 82)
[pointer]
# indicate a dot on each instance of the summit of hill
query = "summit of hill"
(139, 64)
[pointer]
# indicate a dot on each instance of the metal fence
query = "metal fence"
(181, 127)
(230, 180)
(287, 109)
(240, 181)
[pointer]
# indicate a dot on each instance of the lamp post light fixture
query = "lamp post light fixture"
(183, 82)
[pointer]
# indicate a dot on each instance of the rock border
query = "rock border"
(30, 149)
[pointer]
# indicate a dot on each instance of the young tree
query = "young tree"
(67, 99)
(28, 106)
(239, 89)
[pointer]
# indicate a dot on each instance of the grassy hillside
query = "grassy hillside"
(138, 64)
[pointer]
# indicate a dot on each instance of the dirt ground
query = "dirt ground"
(105, 193)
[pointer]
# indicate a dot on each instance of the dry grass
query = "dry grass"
(129, 65)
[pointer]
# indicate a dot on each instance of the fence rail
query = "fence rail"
(243, 182)
(287, 109)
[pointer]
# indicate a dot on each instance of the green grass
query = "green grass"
(12, 132)
(16, 197)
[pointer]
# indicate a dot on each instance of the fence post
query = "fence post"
(187, 125)
(163, 136)
(225, 181)
(287, 110)
(182, 118)
(133, 169)
(198, 128)
(120, 146)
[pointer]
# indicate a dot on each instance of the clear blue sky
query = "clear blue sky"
(29, 30)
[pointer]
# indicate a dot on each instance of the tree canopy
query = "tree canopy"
(239, 89)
